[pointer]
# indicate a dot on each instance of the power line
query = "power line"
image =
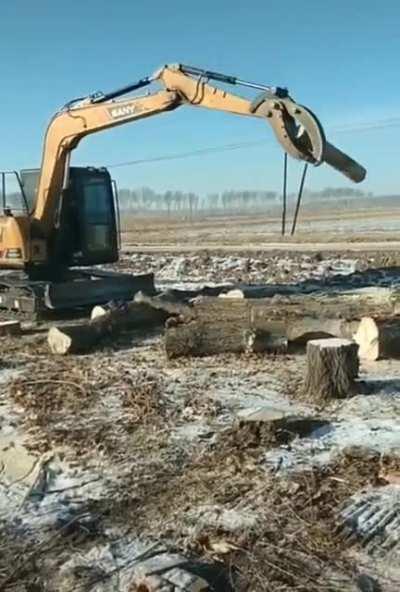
(368, 126)
(362, 127)
(198, 152)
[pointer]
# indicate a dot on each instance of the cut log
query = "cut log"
(211, 325)
(378, 338)
(332, 366)
(164, 302)
(349, 305)
(10, 328)
(195, 338)
(217, 325)
(71, 339)
(100, 310)
(143, 312)
(235, 293)
(301, 330)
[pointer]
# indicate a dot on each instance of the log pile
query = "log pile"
(210, 325)
(239, 324)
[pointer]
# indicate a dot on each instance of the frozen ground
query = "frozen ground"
(337, 224)
(137, 471)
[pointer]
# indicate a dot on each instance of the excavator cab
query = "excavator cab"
(87, 227)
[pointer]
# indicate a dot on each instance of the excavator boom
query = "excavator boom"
(296, 128)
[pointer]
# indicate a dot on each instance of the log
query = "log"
(10, 328)
(211, 325)
(199, 336)
(194, 337)
(332, 367)
(217, 325)
(378, 338)
(301, 330)
(164, 302)
(143, 312)
(100, 310)
(349, 304)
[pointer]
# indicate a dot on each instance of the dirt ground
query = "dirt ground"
(259, 231)
(122, 470)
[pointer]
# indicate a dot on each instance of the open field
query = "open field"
(264, 232)
(124, 471)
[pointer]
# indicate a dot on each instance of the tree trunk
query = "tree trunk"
(350, 305)
(198, 337)
(303, 329)
(332, 366)
(217, 325)
(214, 325)
(10, 327)
(143, 312)
(378, 338)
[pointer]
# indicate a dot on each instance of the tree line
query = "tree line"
(146, 199)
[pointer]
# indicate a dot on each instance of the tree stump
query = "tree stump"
(332, 366)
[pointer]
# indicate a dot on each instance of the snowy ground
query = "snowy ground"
(121, 466)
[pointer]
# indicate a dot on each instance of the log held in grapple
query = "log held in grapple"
(343, 163)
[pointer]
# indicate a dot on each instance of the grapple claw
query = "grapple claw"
(301, 135)
(297, 129)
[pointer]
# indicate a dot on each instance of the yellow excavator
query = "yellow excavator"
(69, 215)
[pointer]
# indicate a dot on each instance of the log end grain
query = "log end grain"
(367, 338)
(378, 338)
(58, 341)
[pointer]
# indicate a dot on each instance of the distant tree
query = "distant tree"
(168, 199)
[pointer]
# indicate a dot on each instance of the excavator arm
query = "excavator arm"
(68, 128)
(296, 128)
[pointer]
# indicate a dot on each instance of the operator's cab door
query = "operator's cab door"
(92, 205)
(86, 230)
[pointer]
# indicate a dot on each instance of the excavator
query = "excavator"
(67, 220)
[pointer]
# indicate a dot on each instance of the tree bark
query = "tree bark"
(378, 338)
(332, 366)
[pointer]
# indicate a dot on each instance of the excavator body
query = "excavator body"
(61, 219)
(86, 231)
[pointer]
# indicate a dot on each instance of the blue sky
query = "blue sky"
(340, 58)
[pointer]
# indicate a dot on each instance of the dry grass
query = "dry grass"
(161, 485)
(86, 405)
